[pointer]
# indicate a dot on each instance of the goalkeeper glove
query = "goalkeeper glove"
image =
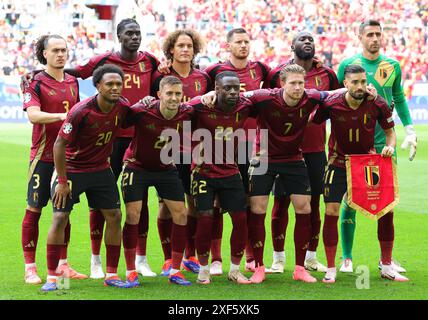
(410, 140)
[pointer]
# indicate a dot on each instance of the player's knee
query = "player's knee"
(180, 217)
(132, 216)
(332, 211)
(34, 209)
(303, 207)
(113, 217)
(163, 211)
(59, 221)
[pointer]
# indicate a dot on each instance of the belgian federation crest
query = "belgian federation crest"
(372, 176)
(142, 67)
(368, 193)
(318, 81)
(198, 85)
(253, 74)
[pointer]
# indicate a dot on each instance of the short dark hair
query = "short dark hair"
(172, 38)
(122, 24)
(353, 68)
(169, 81)
(233, 31)
(99, 72)
(224, 74)
(41, 45)
(368, 22)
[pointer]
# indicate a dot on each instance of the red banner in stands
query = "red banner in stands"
(372, 184)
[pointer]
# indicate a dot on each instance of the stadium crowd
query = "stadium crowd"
(271, 24)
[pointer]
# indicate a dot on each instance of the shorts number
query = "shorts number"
(288, 127)
(66, 105)
(222, 133)
(103, 138)
(135, 79)
(198, 188)
(127, 175)
(36, 180)
(161, 142)
(354, 137)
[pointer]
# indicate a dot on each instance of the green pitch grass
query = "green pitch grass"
(410, 246)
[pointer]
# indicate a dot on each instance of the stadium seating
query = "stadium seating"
(272, 25)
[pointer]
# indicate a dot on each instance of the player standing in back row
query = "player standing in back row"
(46, 100)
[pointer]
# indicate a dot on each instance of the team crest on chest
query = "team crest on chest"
(253, 74)
(142, 67)
(198, 86)
(318, 81)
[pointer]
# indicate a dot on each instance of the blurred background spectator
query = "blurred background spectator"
(271, 24)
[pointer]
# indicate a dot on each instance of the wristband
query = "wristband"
(62, 180)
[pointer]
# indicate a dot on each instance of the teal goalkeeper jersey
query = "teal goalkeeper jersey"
(385, 75)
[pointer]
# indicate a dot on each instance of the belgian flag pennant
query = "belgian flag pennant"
(372, 184)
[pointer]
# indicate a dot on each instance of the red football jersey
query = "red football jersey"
(285, 124)
(50, 96)
(352, 131)
(318, 77)
(90, 134)
(138, 76)
(222, 128)
(195, 84)
(144, 152)
(251, 78)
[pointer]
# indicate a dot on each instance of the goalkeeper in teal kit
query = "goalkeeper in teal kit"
(385, 75)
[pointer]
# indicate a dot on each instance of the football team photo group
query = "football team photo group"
(215, 157)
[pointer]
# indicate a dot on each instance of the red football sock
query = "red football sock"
(164, 229)
(315, 222)
(330, 238)
(30, 235)
(178, 243)
(385, 234)
(239, 236)
(302, 236)
(203, 238)
(53, 252)
(113, 255)
(258, 236)
(279, 222)
(217, 234)
(129, 235)
(64, 248)
(96, 225)
(249, 253)
(143, 229)
(191, 231)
